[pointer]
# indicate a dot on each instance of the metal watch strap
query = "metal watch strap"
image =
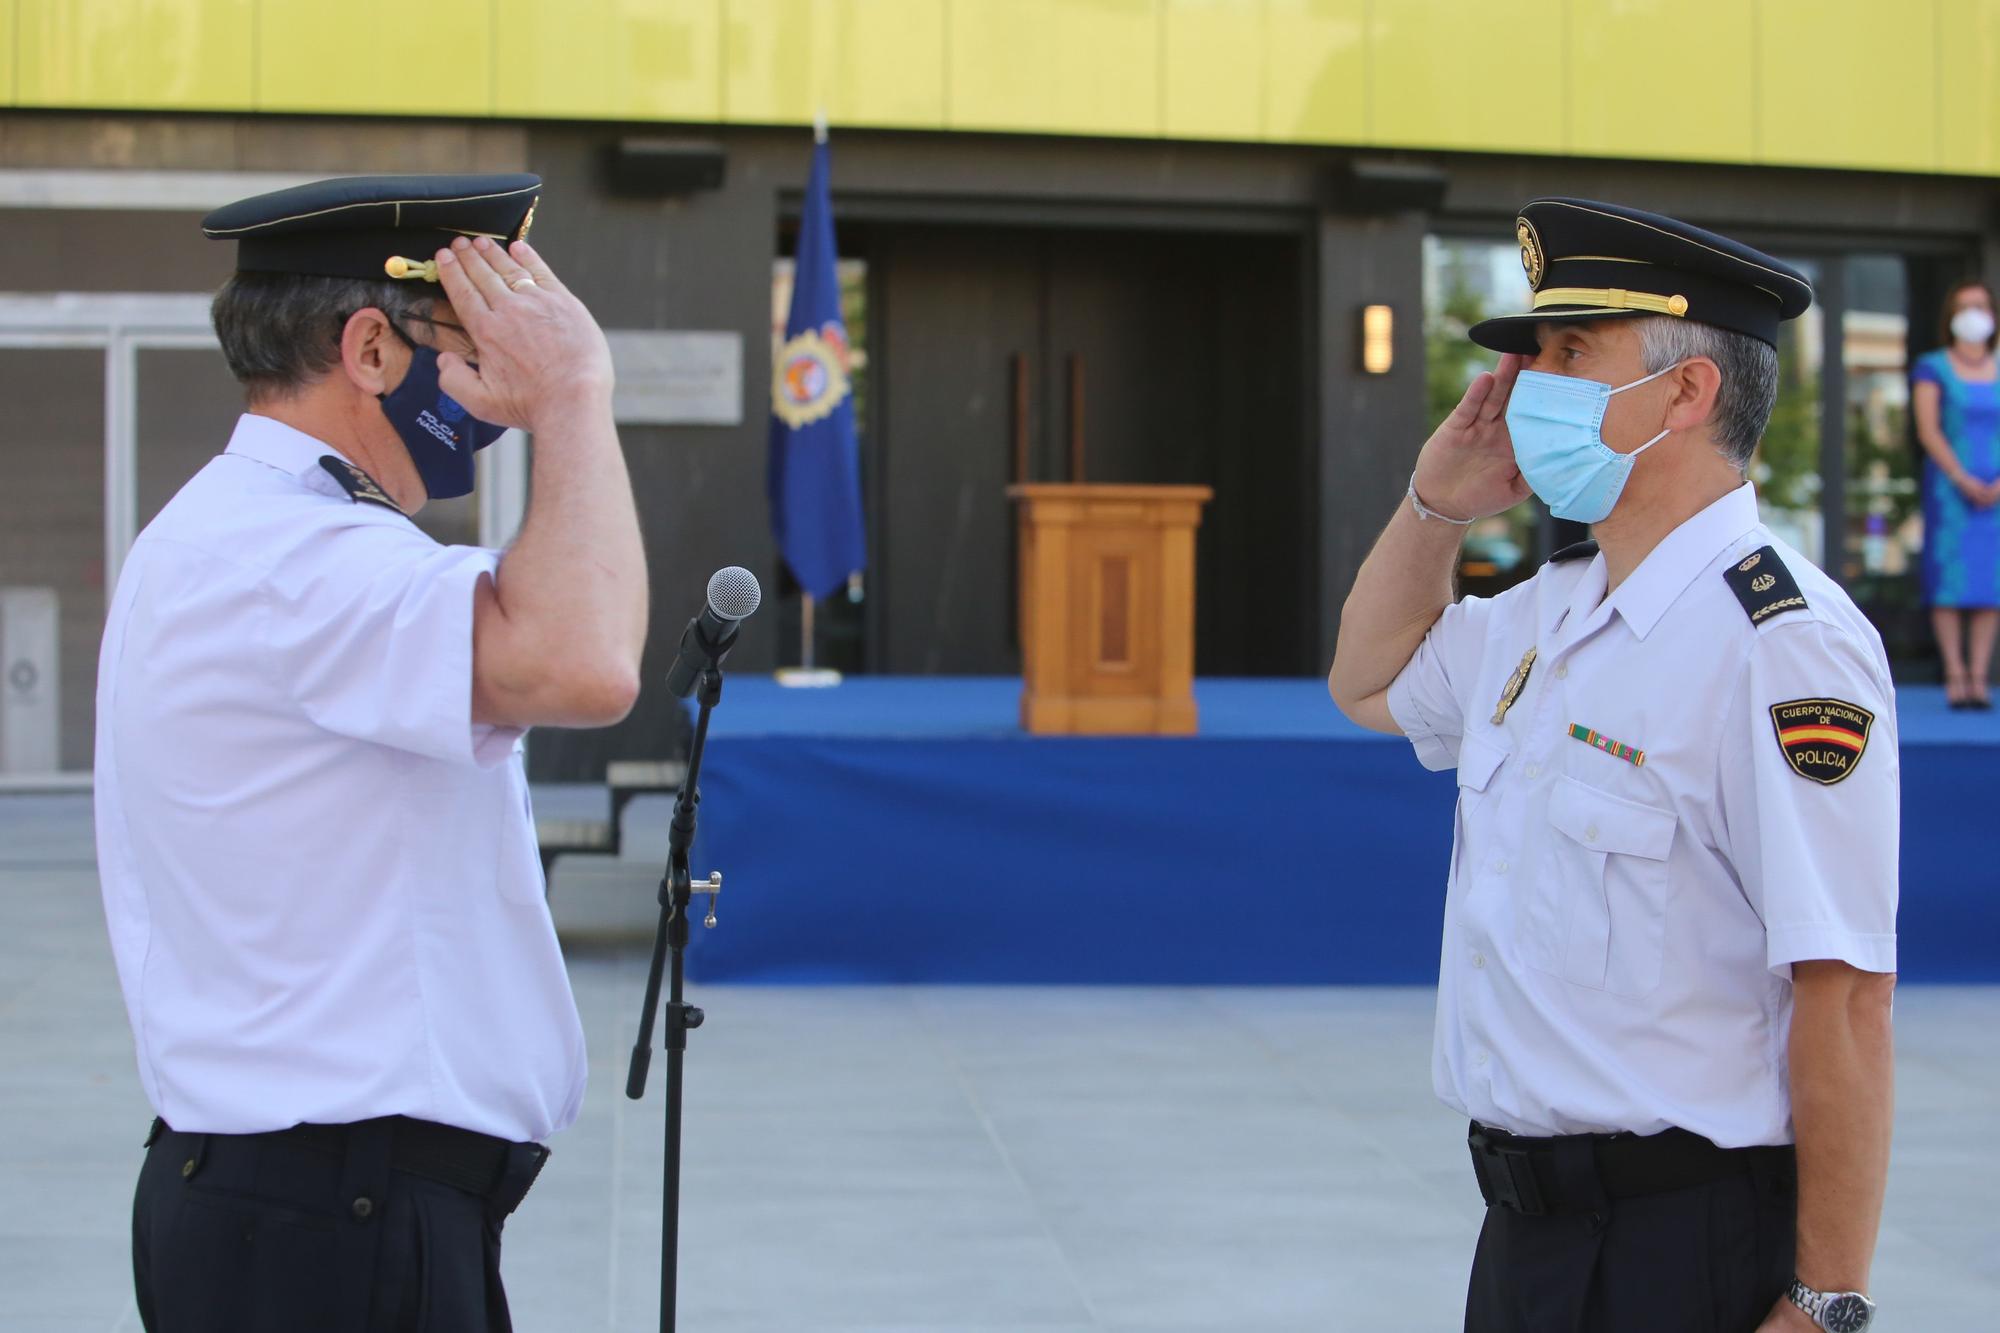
(1815, 1303)
(1426, 513)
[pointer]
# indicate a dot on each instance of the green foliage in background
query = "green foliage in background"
(1450, 358)
(1788, 471)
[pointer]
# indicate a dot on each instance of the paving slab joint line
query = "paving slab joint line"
(965, 1087)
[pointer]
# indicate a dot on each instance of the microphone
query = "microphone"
(732, 595)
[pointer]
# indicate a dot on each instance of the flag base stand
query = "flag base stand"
(808, 678)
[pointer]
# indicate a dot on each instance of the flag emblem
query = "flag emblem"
(1822, 739)
(812, 376)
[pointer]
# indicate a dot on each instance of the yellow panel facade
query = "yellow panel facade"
(1618, 49)
(610, 59)
(865, 62)
(6, 52)
(176, 54)
(1848, 83)
(376, 57)
(1214, 61)
(1857, 84)
(1054, 66)
(1316, 71)
(1969, 86)
(1467, 75)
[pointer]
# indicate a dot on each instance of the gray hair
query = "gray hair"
(1749, 388)
(281, 331)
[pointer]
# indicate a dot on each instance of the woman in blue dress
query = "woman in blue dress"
(1956, 395)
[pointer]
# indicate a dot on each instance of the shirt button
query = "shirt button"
(1499, 867)
(364, 1208)
(1562, 671)
(1590, 834)
(1479, 960)
(1480, 1059)
(1532, 771)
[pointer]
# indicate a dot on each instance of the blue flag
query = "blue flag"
(815, 475)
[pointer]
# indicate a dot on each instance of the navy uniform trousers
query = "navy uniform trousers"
(1709, 1258)
(261, 1234)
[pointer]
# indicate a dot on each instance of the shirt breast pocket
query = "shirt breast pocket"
(1478, 760)
(1600, 914)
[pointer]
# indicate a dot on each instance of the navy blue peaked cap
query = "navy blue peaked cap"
(372, 226)
(1588, 260)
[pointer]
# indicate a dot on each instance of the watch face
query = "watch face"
(1846, 1314)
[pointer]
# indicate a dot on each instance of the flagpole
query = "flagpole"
(806, 633)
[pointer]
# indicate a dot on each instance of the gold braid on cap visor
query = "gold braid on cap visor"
(1611, 298)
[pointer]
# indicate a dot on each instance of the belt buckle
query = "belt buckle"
(1509, 1176)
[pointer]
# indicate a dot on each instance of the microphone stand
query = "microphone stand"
(676, 888)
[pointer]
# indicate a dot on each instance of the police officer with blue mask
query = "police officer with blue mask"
(320, 877)
(1669, 950)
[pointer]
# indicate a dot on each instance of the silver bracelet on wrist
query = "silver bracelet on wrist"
(1426, 513)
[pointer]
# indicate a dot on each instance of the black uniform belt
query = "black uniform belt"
(1581, 1173)
(494, 1169)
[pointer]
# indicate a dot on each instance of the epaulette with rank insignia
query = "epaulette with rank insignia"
(1583, 550)
(1764, 586)
(356, 483)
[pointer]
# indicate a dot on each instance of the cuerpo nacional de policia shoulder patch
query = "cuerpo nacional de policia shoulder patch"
(356, 483)
(1822, 739)
(1764, 586)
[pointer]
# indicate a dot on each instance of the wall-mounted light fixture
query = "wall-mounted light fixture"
(1378, 337)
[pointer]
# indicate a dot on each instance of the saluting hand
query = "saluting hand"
(541, 353)
(1467, 468)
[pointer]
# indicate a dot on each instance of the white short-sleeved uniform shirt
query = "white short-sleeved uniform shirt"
(320, 875)
(1619, 934)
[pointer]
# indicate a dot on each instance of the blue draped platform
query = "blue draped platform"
(906, 830)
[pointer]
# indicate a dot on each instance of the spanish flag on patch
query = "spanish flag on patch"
(1822, 739)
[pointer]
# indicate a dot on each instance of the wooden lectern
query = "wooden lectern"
(1107, 608)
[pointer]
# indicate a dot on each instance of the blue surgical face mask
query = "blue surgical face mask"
(440, 434)
(1555, 422)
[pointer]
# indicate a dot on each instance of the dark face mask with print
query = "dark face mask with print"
(440, 434)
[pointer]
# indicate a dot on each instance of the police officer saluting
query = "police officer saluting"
(1670, 928)
(319, 867)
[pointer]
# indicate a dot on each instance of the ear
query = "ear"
(371, 355)
(1691, 390)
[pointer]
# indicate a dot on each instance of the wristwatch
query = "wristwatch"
(1834, 1311)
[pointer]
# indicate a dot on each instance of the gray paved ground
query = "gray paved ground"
(940, 1160)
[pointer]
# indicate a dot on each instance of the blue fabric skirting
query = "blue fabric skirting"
(905, 830)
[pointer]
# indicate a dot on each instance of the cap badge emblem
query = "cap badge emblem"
(1531, 250)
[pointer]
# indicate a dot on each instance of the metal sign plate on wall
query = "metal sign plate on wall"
(677, 378)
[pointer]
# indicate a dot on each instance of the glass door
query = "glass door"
(1881, 518)
(52, 553)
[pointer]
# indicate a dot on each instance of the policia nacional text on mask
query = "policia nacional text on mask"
(1670, 948)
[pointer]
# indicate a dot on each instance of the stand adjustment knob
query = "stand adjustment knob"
(712, 886)
(692, 1017)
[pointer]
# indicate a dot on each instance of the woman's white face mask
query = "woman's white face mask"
(1972, 324)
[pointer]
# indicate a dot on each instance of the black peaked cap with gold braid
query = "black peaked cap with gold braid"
(372, 226)
(1587, 260)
